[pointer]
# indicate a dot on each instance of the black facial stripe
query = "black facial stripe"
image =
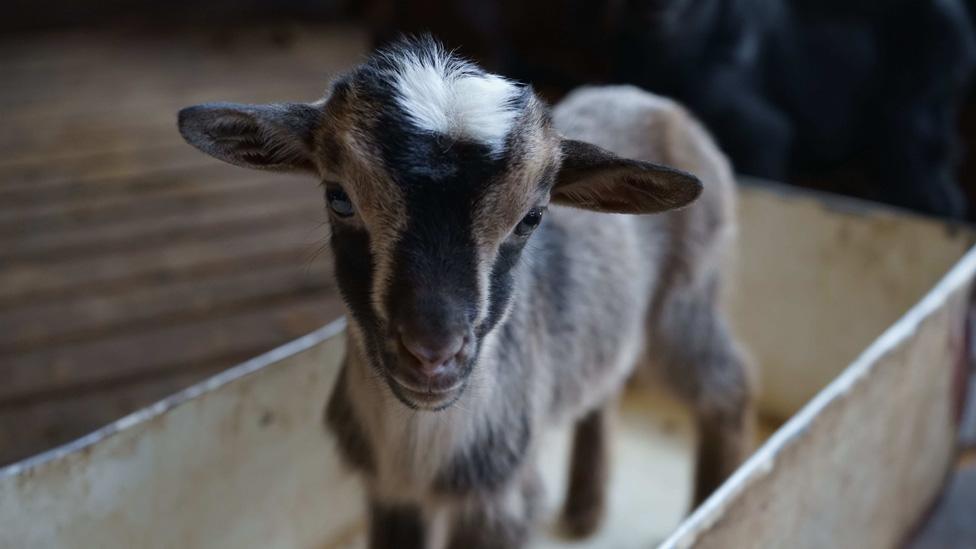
(435, 260)
(442, 181)
(354, 271)
(501, 283)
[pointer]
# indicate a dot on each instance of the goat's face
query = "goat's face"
(435, 176)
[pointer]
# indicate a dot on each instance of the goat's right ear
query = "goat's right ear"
(595, 179)
(278, 136)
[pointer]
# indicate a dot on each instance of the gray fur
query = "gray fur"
(594, 295)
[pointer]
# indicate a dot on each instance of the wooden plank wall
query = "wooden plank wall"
(132, 265)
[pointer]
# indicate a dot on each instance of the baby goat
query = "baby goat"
(492, 291)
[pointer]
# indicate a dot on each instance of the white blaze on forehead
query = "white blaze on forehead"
(444, 94)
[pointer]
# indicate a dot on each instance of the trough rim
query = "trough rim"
(147, 414)
(763, 460)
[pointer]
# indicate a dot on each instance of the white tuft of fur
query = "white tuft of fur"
(443, 94)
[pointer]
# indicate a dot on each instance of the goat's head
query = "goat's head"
(435, 175)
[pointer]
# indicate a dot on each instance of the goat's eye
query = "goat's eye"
(529, 222)
(339, 202)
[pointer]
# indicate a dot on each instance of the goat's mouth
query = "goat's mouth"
(433, 397)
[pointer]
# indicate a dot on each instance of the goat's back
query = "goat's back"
(637, 124)
(596, 277)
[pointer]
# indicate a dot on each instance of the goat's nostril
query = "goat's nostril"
(433, 352)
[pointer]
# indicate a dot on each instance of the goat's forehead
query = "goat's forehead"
(431, 90)
(426, 124)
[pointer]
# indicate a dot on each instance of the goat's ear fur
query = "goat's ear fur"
(595, 179)
(269, 137)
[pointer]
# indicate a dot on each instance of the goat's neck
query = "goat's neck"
(415, 443)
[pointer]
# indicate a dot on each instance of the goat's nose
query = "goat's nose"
(432, 352)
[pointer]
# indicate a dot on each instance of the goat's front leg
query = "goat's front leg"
(586, 496)
(395, 526)
(501, 520)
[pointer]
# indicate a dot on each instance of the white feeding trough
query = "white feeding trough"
(857, 317)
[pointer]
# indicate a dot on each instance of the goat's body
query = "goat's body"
(474, 325)
(599, 295)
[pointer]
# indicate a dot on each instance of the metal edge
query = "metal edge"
(171, 402)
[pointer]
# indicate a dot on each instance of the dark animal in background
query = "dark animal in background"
(880, 83)
(491, 296)
(858, 96)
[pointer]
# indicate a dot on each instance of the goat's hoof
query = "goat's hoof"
(581, 521)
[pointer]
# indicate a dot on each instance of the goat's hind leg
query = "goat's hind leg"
(586, 496)
(693, 344)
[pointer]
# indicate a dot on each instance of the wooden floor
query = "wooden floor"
(132, 265)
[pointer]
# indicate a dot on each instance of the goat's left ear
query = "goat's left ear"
(596, 179)
(277, 136)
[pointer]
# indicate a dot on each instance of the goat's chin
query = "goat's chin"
(425, 400)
